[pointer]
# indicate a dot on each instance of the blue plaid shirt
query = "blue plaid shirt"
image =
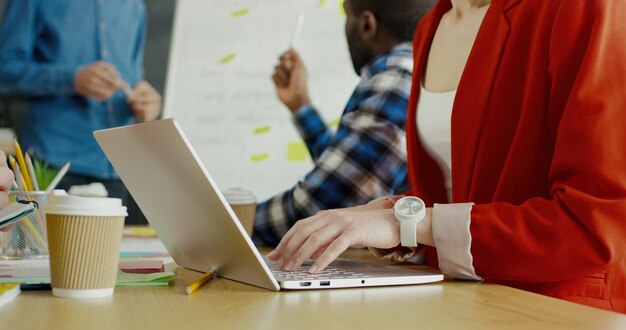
(43, 43)
(364, 160)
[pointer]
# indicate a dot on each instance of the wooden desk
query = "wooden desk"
(224, 304)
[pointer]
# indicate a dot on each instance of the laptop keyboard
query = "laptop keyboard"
(302, 272)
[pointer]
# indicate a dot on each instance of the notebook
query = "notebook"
(182, 202)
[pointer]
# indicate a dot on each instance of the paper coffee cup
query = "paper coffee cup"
(84, 238)
(243, 203)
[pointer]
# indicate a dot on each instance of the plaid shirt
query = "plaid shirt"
(364, 160)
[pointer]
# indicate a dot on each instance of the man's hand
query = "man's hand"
(145, 102)
(6, 180)
(98, 81)
(290, 80)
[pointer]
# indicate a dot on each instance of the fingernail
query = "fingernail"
(271, 254)
(313, 269)
(289, 265)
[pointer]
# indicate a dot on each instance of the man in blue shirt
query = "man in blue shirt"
(366, 157)
(75, 62)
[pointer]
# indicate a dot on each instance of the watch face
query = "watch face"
(409, 206)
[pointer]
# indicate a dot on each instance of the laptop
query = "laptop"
(183, 204)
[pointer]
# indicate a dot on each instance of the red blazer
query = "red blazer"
(538, 133)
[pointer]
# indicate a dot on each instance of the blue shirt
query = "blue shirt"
(43, 43)
(366, 157)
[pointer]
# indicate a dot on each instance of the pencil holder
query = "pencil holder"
(28, 238)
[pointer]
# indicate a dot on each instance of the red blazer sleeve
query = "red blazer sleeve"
(581, 228)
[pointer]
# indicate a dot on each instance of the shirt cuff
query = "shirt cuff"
(451, 232)
(309, 123)
(302, 111)
(67, 79)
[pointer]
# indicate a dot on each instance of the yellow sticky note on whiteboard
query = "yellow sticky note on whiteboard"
(259, 157)
(297, 152)
(227, 59)
(240, 12)
(262, 129)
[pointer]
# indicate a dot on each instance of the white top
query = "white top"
(450, 222)
(434, 113)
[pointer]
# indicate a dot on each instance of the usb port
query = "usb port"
(305, 283)
(324, 283)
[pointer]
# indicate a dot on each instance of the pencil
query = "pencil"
(126, 89)
(31, 172)
(58, 177)
(22, 163)
(198, 283)
(296, 32)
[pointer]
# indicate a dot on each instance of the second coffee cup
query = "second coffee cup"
(243, 202)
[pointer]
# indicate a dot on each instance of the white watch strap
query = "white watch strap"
(408, 233)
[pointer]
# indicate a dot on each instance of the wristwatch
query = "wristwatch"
(409, 211)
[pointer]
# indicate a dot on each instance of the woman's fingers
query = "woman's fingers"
(319, 252)
(299, 236)
(313, 243)
(6, 178)
(284, 242)
(337, 247)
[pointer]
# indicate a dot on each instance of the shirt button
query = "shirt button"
(103, 25)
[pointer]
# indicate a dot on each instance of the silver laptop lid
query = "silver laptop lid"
(175, 191)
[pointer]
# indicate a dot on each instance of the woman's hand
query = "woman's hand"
(324, 236)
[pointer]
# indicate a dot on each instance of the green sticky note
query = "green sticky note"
(227, 59)
(297, 152)
(259, 157)
(335, 123)
(322, 3)
(240, 12)
(342, 12)
(131, 279)
(263, 129)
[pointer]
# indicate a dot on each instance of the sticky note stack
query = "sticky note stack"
(8, 291)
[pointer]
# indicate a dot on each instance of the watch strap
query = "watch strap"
(408, 233)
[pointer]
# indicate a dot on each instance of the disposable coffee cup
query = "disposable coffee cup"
(84, 238)
(243, 203)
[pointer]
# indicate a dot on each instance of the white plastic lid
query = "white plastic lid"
(238, 196)
(94, 189)
(59, 202)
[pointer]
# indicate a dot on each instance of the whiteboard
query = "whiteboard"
(219, 85)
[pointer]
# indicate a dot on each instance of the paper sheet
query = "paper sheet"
(153, 279)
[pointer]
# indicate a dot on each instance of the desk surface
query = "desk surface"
(224, 304)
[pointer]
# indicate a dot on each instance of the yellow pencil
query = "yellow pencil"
(22, 163)
(198, 283)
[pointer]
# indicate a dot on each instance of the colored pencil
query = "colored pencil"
(31, 172)
(22, 164)
(199, 282)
